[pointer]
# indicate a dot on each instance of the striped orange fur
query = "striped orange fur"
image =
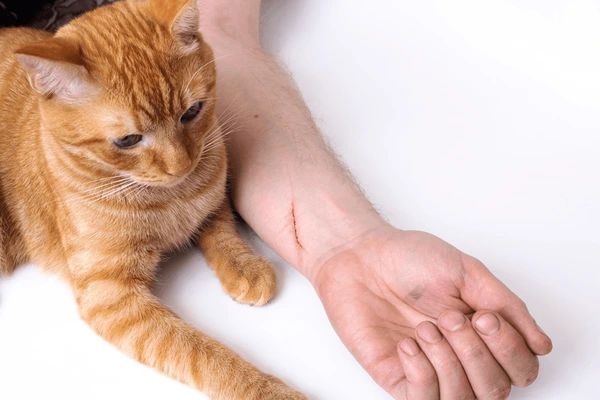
(100, 215)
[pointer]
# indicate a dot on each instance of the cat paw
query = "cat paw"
(250, 282)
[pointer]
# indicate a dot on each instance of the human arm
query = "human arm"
(380, 286)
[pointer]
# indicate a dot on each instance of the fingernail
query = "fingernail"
(488, 324)
(452, 321)
(409, 347)
(429, 333)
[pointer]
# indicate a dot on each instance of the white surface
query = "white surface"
(475, 120)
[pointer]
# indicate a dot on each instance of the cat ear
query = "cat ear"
(182, 18)
(55, 69)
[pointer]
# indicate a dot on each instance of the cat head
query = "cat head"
(129, 87)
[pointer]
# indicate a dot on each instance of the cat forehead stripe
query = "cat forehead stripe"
(136, 70)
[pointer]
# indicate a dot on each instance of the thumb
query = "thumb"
(482, 291)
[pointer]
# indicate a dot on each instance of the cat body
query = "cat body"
(111, 156)
(50, 204)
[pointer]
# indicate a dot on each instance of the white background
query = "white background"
(474, 120)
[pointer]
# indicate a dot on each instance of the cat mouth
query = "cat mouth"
(169, 180)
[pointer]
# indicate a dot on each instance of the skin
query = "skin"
(424, 319)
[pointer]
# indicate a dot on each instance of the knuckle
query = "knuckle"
(500, 391)
(425, 377)
(473, 352)
(480, 264)
(465, 394)
(521, 305)
(512, 350)
(447, 365)
(529, 375)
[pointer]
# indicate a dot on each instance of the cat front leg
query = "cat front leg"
(13, 251)
(114, 298)
(244, 275)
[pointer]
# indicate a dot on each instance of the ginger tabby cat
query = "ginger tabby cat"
(112, 156)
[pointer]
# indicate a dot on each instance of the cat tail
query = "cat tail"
(126, 314)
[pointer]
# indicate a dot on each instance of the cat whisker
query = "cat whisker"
(118, 190)
(136, 192)
(99, 192)
(105, 185)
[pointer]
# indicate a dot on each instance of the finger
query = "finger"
(420, 376)
(487, 378)
(483, 291)
(517, 314)
(507, 346)
(452, 381)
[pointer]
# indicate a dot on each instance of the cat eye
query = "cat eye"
(192, 112)
(127, 141)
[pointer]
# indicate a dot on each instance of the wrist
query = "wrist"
(326, 226)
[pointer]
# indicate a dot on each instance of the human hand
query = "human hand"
(399, 299)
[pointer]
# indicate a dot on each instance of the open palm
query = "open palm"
(392, 285)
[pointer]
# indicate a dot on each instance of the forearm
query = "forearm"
(286, 184)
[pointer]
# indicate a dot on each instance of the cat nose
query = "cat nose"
(179, 168)
(177, 162)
